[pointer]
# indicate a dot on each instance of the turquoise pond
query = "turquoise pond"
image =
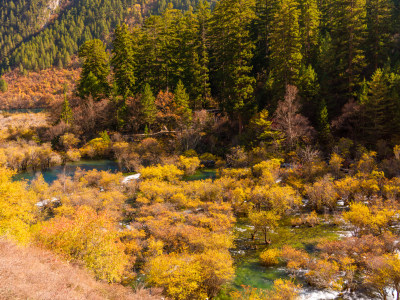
(53, 173)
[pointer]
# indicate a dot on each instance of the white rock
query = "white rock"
(130, 178)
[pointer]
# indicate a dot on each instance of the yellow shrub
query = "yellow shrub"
(270, 257)
(166, 173)
(189, 164)
(268, 170)
(91, 238)
(16, 208)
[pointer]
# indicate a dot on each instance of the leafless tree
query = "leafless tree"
(288, 119)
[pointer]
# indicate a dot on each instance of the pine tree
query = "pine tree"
(381, 108)
(95, 70)
(201, 85)
(66, 113)
(309, 90)
(348, 31)
(123, 62)
(379, 15)
(378, 93)
(324, 129)
(148, 106)
(265, 11)
(285, 44)
(3, 85)
(182, 104)
(309, 27)
(232, 50)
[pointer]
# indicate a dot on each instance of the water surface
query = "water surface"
(52, 173)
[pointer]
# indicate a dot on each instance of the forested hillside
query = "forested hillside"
(37, 34)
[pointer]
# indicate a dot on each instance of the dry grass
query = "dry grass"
(24, 120)
(32, 273)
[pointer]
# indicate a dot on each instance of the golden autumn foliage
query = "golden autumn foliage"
(91, 238)
(322, 194)
(37, 89)
(189, 164)
(366, 220)
(264, 221)
(270, 257)
(166, 172)
(294, 258)
(17, 208)
(179, 274)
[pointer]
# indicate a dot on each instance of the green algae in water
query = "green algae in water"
(249, 270)
(251, 273)
(202, 174)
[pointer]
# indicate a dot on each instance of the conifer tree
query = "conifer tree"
(123, 62)
(3, 85)
(381, 108)
(379, 16)
(148, 106)
(265, 11)
(95, 70)
(232, 50)
(66, 113)
(201, 85)
(285, 44)
(182, 103)
(309, 90)
(348, 31)
(324, 129)
(309, 20)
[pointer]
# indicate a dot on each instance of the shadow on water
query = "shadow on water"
(22, 110)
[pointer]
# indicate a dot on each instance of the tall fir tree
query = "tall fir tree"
(285, 45)
(324, 129)
(265, 11)
(379, 24)
(93, 80)
(181, 99)
(309, 92)
(201, 85)
(123, 62)
(148, 106)
(348, 32)
(381, 107)
(66, 113)
(309, 21)
(232, 50)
